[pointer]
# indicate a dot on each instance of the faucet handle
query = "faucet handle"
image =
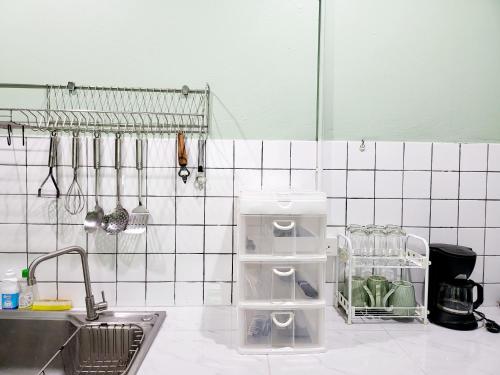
(103, 305)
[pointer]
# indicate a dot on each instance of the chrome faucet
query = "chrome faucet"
(93, 308)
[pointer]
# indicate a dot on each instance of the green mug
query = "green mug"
(401, 298)
(377, 288)
(359, 293)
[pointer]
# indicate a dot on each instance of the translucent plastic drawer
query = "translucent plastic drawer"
(281, 281)
(282, 235)
(281, 330)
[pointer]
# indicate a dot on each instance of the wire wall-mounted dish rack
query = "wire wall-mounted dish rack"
(96, 109)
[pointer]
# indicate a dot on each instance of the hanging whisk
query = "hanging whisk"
(75, 200)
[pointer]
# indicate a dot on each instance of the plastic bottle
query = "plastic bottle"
(25, 291)
(10, 291)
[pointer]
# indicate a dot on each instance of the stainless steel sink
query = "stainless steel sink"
(66, 344)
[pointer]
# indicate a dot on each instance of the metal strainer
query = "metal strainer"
(116, 221)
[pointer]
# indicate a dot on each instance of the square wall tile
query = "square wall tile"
(42, 238)
(131, 267)
(493, 185)
(100, 242)
(218, 267)
(130, 294)
(247, 153)
(416, 212)
(388, 211)
(472, 185)
(161, 181)
(358, 159)
(161, 238)
(188, 189)
(13, 208)
(247, 180)
(419, 231)
(477, 273)
(131, 243)
(417, 184)
(160, 267)
(491, 295)
(219, 182)
(303, 180)
(15, 154)
(190, 210)
(13, 237)
(276, 154)
(494, 157)
(445, 157)
(219, 153)
(334, 154)
(473, 238)
(189, 239)
(388, 184)
(473, 157)
(334, 183)
(445, 185)
(162, 152)
(15, 262)
(217, 294)
(219, 239)
(273, 179)
(444, 235)
(188, 294)
(360, 211)
(304, 154)
(47, 290)
(72, 291)
(360, 184)
(69, 268)
(189, 267)
(417, 156)
(471, 213)
(69, 235)
(493, 213)
(336, 211)
(40, 210)
(389, 155)
(444, 213)
(491, 267)
(13, 179)
(219, 211)
(492, 241)
(160, 294)
(162, 210)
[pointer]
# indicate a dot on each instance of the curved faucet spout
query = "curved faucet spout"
(92, 308)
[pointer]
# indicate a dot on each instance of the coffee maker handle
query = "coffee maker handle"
(479, 299)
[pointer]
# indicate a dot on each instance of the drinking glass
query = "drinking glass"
(395, 240)
(377, 240)
(358, 237)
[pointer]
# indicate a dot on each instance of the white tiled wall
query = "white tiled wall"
(445, 192)
(186, 256)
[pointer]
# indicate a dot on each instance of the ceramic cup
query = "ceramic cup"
(377, 289)
(401, 298)
(359, 292)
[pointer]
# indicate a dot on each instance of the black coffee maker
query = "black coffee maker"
(451, 302)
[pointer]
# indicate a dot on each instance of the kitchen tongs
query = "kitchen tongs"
(51, 164)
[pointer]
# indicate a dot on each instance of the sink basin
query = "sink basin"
(63, 343)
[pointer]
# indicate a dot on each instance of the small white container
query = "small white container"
(10, 291)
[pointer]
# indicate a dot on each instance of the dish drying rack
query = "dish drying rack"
(411, 260)
(99, 109)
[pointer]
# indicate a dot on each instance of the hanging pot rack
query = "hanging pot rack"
(124, 110)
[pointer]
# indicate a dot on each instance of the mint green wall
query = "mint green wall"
(413, 70)
(258, 56)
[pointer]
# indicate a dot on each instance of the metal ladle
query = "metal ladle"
(94, 218)
(116, 221)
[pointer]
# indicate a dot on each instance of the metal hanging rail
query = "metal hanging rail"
(98, 109)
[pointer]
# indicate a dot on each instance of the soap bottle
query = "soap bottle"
(26, 294)
(10, 291)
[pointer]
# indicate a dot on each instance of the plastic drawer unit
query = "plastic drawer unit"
(281, 272)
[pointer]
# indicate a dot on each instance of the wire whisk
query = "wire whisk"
(75, 199)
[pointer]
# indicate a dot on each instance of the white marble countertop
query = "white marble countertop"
(202, 341)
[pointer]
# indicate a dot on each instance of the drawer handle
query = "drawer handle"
(284, 227)
(284, 324)
(284, 273)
